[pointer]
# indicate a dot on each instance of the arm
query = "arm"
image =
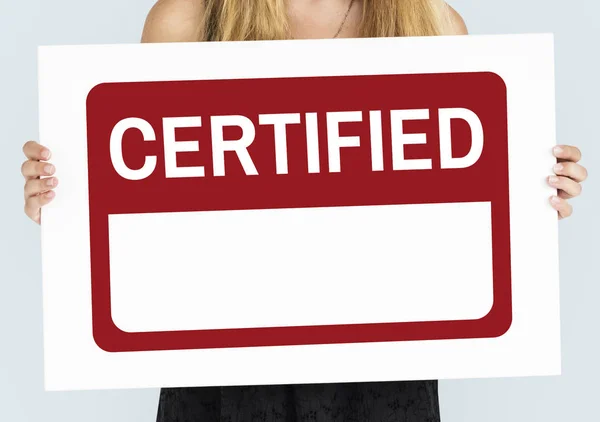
(174, 21)
(568, 173)
(167, 21)
(453, 22)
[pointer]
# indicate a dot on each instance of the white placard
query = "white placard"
(321, 266)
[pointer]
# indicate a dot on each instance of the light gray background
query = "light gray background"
(25, 24)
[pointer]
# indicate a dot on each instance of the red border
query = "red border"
(112, 339)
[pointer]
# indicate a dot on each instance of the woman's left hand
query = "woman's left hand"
(569, 175)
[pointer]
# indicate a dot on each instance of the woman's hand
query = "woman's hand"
(569, 175)
(38, 190)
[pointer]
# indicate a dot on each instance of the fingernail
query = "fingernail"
(51, 181)
(45, 154)
(558, 150)
(49, 169)
(555, 200)
(558, 167)
(50, 194)
(553, 179)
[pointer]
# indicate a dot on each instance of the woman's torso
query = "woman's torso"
(414, 401)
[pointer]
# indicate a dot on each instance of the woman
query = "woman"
(224, 20)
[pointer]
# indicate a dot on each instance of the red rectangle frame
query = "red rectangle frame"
(356, 185)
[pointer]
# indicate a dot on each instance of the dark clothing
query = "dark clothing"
(415, 401)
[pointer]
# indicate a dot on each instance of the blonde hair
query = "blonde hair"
(242, 20)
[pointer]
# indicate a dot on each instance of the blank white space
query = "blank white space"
(342, 265)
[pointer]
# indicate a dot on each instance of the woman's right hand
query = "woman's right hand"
(38, 190)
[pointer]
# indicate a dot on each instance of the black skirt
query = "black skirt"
(415, 401)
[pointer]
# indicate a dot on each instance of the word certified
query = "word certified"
(279, 122)
(279, 126)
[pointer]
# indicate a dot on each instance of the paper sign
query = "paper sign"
(273, 212)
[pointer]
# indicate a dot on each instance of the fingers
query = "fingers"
(37, 186)
(572, 170)
(35, 151)
(33, 205)
(567, 153)
(562, 207)
(32, 169)
(567, 187)
(568, 179)
(38, 191)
